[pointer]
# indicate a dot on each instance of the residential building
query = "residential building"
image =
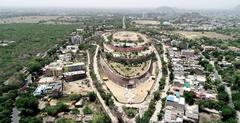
(51, 89)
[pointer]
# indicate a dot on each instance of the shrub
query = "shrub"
(75, 97)
(87, 110)
(92, 96)
(101, 118)
(228, 113)
(54, 110)
(130, 112)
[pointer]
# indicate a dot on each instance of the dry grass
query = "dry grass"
(126, 36)
(147, 22)
(197, 35)
(205, 117)
(130, 71)
(77, 87)
(39, 19)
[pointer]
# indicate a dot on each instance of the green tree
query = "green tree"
(30, 120)
(75, 97)
(28, 105)
(156, 95)
(189, 97)
(101, 118)
(130, 112)
(54, 110)
(63, 120)
(108, 99)
(75, 111)
(236, 101)
(237, 64)
(228, 113)
(223, 96)
(34, 66)
(92, 96)
(5, 120)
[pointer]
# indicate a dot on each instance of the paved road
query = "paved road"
(158, 107)
(15, 115)
(106, 108)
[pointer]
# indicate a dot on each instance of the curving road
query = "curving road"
(106, 108)
(142, 106)
(158, 107)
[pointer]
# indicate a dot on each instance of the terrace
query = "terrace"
(130, 70)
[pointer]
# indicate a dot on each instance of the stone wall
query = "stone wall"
(131, 60)
(122, 81)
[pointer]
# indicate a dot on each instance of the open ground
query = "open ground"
(197, 35)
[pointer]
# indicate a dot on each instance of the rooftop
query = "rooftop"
(176, 99)
(48, 80)
(74, 73)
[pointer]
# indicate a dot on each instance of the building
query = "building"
(74, 67)
(209, 48)
(76, 39)
(50, 89)
(192, 113)
(54, 69)
(172, 117)
(174, 110)
(74, 71)
(74, 75)
(224, 64)
(69, 48)
(188, 53)
(46, 80)
(67, 57)
(72, 48)
(49, 119)
(177, 102)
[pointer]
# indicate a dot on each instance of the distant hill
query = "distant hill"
(237, 8)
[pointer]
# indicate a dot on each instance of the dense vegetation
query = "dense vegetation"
(130, 112)
(6, 103)
(31, 39)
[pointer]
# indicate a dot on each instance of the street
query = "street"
(106, 108)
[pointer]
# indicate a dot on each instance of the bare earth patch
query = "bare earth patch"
(205, 117)
(147, 22)
(77, 87)
(134, 95)
(130, 71)
(197, 35)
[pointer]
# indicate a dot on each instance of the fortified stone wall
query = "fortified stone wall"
(120, 80)
(130, 60)
(122, 49)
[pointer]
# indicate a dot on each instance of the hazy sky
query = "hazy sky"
(192, 4)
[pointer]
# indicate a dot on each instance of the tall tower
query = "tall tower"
(123, 22)
(143, 15)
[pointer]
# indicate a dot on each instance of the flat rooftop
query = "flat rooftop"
(44, 80)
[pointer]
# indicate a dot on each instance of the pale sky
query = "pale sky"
(190, 4)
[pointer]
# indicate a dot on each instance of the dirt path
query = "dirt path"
(106, 108)
(227, 89)
(158, 107)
